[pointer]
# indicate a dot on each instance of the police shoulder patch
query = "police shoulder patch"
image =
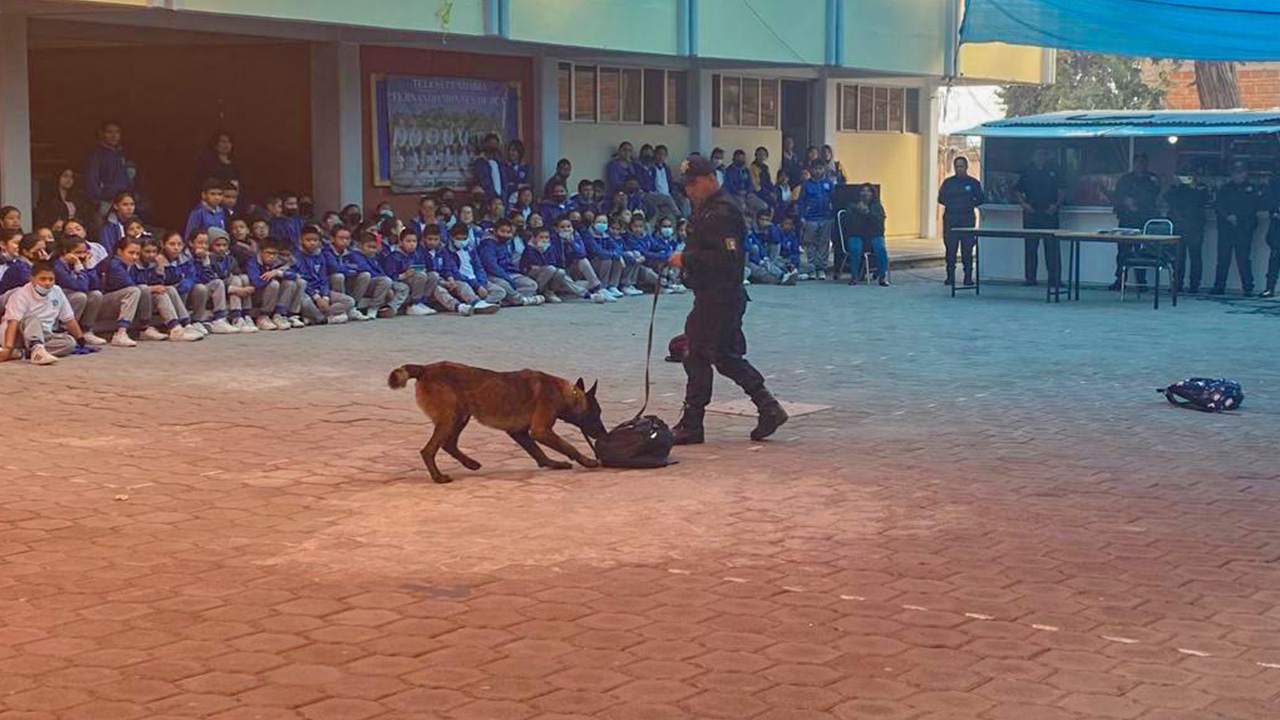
(731, 244)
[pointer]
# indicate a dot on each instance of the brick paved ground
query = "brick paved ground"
(999, 520)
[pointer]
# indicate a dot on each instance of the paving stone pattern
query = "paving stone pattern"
(998, 520)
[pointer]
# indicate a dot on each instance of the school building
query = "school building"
(298, 83)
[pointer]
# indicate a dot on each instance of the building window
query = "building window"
(867, 108)
(744, 101)
(588, 93)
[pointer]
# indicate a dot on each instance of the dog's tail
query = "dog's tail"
(400, 376)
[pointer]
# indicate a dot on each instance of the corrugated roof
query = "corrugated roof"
(1133, 123)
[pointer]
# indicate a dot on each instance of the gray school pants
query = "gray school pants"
(238, 306)
(202, 295)
(608, 270)
(33, 333)
(450, 299)
(86, 307)
(276, 298)
(357, 287)
(552, 280)
(169, 306)
(123, 304)
(764, 273)
(581, 269)
(518, 288)
(815, 238)
(339, 304)
(422, 285)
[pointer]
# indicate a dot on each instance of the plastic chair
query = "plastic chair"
(863, 271)
(1154, 262)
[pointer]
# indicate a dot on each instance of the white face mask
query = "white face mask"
(602, 227)
(541, 246)
(668, 232)
(41, 290)
(565, 234)
(460, 243)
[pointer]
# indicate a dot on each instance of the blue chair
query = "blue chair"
(1154, 260)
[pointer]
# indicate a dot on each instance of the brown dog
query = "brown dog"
(524, 404)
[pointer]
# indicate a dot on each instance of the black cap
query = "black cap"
(696, 166)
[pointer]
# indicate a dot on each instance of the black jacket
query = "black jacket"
(714, 254)
(865, 225)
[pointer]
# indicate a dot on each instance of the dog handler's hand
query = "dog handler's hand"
(676, 259)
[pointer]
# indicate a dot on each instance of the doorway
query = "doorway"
(795, 111)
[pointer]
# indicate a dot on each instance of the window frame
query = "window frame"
(668, 112)
(723, 79)
(877, 94)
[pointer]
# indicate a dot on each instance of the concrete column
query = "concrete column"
(700, 130)
(546, 118)
(929, 111)
(337, 125)
(823, 114)
(15, 117)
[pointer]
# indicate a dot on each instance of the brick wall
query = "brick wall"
(1259, 87)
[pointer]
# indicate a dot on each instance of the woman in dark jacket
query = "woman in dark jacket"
(216, 162)
(865, 225)
(61, 200)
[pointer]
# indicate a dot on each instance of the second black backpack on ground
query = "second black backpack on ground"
(1205, 394)
(643, 442)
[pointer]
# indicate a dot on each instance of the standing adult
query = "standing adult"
(960, 197)
(215, 160)
(713, 260)
(1135, 204)
(1189, 202)
(1272, 206)
(791, 162)
(487, 168)
(1239, 201)
(1039, 192)
(63, 201)
(108, 172)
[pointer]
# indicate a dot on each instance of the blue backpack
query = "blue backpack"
(1205, 394)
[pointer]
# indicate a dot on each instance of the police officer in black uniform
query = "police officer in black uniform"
(1040, 191)
(960, 196)
(1135, 203)
(712, 261)
(1239, 201)
(1189, 202)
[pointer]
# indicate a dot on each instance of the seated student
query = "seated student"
(178, 272)
(555, 204)
(230, 202)
(405, 264)
(524, 203)
(79, 284)
(345, 276)
(517, 174)
(783, 200)
(351, 216)
(96, 253)
(638, 249)
(29, 316)
(494, 210)
(661, 247)
(570, 251)
(275, 286)
(207, 289)
(244, 248)
(467, 269)
(789, 249)
(321, 303)
(216, 263)
(30, 249)
(385, 295)
(586, 198)
(494, 252)
(619, 223)
(123, 208)
(208, 212)
(759, 243)
(865, 226)
(452, 294)
(124, 294)
(737, 182)
(284, 225)
(426, 215)
(761, 178)
(542, 262)
(564, 169)
(605, 252)
(9, 240)
(165, 299)
(445, 219)
(665, 181)
(635, 198)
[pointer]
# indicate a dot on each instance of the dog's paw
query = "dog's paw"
(589, 462)
(441, 479)
(470, 464)
(557, 465)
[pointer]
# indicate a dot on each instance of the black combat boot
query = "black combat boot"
(772, 416)
(688, 429)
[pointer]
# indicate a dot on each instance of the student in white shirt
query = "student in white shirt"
(30, 314)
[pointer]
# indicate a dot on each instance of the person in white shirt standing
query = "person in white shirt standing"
(29, 317)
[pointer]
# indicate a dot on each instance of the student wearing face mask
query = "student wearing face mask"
(542, 262)
(605, 253)
(31, 248)
(555, 204)
(495, 254)
(646, 174)
(570, 249)
(469, 271)
(661, 244)
(737, 182)
(30, 313)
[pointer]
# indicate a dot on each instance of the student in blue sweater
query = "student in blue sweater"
(664, 243)
(468, 270)
(30, 249)
(123, 209)
(385, 295)
(166, 303)
(207, 289)
(123, 295)
(275, 286)
(348, 277)
(605, 252)
(789, 248)
(737, 182)
(813, 205)
(496, 258)
(209, 212)
(175, 266)
(516, 173)
(321, 304)
(283, 221)
(80, 285)
(543, 262)
(571, 251)
(403, 263)
(760, 244)
(216, 263)
(647, 261)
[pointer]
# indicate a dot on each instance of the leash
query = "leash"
(648, 351)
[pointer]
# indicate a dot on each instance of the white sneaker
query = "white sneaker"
(614, 293)
(419, 310)
(41, 356)
(246, 325)
(296, 322)
(222, 327)
(337, 319)
(92, 339)
(370, 314)
(265, 324)
(632, 291)
(802, 276)
(608, 296)
(153, 334)
(551, 299)
(198, 328)
(822, 274)
(181, 334)
(668, 291)
(790, 277)
(745, 282)
(356, 316)
(465, 310)
(599, 298)
(484, 308)
(122, 339)
(281, 322)
(680, 288)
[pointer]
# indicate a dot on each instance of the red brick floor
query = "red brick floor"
(999, 521)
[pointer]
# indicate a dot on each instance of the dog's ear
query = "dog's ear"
(582, 386)
(592, 391)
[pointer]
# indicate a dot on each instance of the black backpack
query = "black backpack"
(1205, 394)
(644, 441)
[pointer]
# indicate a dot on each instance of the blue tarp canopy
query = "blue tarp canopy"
(1240, 30)
(1138, 123)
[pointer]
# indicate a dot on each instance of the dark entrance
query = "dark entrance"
(795, 112)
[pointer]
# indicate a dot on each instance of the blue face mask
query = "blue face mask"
(602, 227)
(668, 232)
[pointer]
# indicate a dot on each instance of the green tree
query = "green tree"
(1085, 81)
